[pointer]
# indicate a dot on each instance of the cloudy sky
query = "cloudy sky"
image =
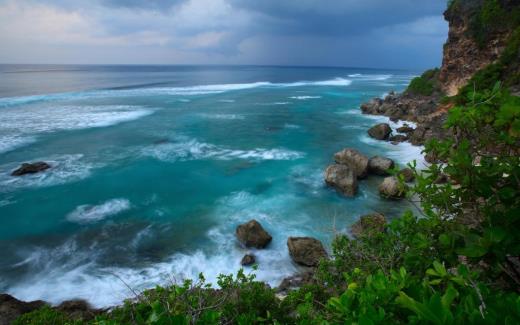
(355, 33)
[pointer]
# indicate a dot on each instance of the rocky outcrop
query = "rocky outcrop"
(78, 309)
(12, 308)
(380, 165)
(248, 259)
(306, 251)
(391, 189)
(405, 129)
(353, 159)
(401, 107)
(252, 234)
(342, 178)
(380, 131)
(368, 225)
(31, 168)
(395, 139)
(463, 55)
(296, 281)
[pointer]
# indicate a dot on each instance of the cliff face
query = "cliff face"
(464, 52)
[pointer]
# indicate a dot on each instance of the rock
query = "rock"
(342, 178)
(247, 260)
(353, 159)
(31, 168)
(306, 251)
(380, 131)
(405, 129)
(369, 224)
(398, 138)
(252, 234)
(380, 165)
(391, 189)
(12, 308)
(78, 309)
(296, 281)
(407, 174)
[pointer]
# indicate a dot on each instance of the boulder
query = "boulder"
(296, 281)
(395, 139)
(252, 234)
(306, 251)
(12, 308)
(391, 189)
(342, 178)
(407, 174)
(248, 259)
(380, 131)
(380, 165)
(31, 168)
(353, 159)
(369, 224)
(405, 129)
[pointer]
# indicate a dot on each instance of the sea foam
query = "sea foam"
(92, 213)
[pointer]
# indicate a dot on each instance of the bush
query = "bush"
(425, 84)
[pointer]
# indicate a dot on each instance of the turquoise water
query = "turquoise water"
(154, 167)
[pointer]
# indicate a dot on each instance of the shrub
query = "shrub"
(425, 84)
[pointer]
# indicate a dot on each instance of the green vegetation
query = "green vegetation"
(451, 265)
(425, 84)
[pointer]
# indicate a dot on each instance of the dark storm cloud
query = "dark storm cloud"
(379, 33)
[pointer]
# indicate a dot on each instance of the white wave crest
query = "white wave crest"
(222, 116)
(305, 97)
(192, 149)
(92, 213)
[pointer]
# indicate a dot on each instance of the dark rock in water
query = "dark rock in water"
(78, 309)
(407, 174)
(252, 234)
(31, 168)
(12, 308)
(395, 139)
(391, 189)
(248, 259)
(380, 131)
(353, 159)
(306, 251)
(161, 141)
(342, 178)
(368, 225)
(296, 281)
(405, 129)
(380, 165)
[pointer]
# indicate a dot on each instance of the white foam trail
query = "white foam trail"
(64, 169)
(191, 149)
(19, 126)
(222, 116)
(93, 213)
(166, 91)
(226, 100)
(305, 97)
(370, 77)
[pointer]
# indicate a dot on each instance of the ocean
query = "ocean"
(153, 167)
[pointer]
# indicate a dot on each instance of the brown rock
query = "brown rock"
(405, 129)
(380, 165)
(342, 178)
(248, 259)
(369, 224)
(407, 174)
(380, 131)
(391, 189)
(12, 308)
(353, 159)
(31, 168)
(252, 234)
(398, 138)
(306, 251)
(296, 281)
(78, 309)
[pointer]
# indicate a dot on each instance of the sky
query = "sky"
(354, 33)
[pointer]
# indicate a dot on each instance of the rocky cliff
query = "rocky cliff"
(476, 38)
(483, 41)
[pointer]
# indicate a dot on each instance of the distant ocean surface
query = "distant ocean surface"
(155, 166)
